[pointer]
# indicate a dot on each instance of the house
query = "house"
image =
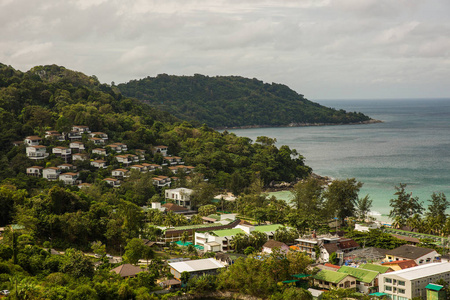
(37, 152)
(18, 143)
(120, 173)
(216, 240)
(412, 282)
(189, 169)
(99, 151)
(161, 181)
(34, 171)
(84, 185)
(66, 167)
(139, 168)
(170, 284)
(97, 141)
(63, 152)
(366, 227)
(418, 254)
(99, 164)
(76, 146)
(160, 149)
(270, 245)
(151, 167)
(140, 153)
(181, 196)
(112, 182)
(74, 135)
(174, 169)
(127, 270)
(127, 159)
(340, 246)
(32, 140)
(101, 135)
(80, 156)
(175, 208)
(366, 280)
(118, 147)
(51, 173)
(170, 160)
(52, 134)
(69, 178)
(195, 267)
(327, 279)
(398, 265)
(80, 128)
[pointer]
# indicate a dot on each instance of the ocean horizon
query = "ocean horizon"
(411, 146)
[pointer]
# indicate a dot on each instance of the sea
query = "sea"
(410, 146)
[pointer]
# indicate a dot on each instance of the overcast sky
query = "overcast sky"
(324, 49)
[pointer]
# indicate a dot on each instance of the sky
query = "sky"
(323, 49)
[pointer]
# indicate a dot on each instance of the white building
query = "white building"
(78, 146)
(34, 171)
(36, 152)
(99, 163)
(181, 196)
(32, 140)
(195, 267)
(51, 173)
(69, 178)
(64, 152)
(99, 151)
(101, 135)
(217, 240)
(409, 283)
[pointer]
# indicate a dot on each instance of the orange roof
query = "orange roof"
(403, 264)
(332, 266)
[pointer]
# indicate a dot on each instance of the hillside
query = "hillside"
(55, 98)
(233, 101)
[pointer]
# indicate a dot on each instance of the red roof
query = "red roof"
(347, 243)
(332, 266)
(174, 207)
(403, 264)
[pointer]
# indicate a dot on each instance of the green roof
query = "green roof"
(290, 281)
(378, 294)
(362, 275)
(373, 267)
(268, 228)
(330, 276)
(301, 275)
(227, 232)
(434, 287)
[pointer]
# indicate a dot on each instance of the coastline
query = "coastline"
(371, 121)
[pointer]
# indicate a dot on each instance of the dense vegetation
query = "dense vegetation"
(233, 101)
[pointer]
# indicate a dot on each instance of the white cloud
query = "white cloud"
(323, 49)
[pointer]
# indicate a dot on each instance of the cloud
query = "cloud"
(320, 48)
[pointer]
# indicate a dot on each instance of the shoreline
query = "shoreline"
(371, 121)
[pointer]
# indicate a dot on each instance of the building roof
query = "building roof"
(434, 287)
(347, 243)
(421, 271)
(35, 167)
(331, 247)
(407, 238)
(374, 267)
(274, 244)
(332, 266)
(330, 276)
(409, 251)
(174, 207)
(196, 265)
(369, 253)
(127, 270)
(363, 275)
(227, 232)
(268, 228)
(403, 264)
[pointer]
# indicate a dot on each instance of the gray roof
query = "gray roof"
(196, 265)
(410, 252)
(421, 271)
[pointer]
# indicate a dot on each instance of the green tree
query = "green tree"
(307, 196)
(207, 210)
(341, 196)
(185, 277)
(404, 205)
(98, 248)
(363, 206)
(77, 264)
(438, 207)
(134, 251)
(292, 293)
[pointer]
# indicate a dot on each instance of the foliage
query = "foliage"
(134, 251)
(227, 101)
(375, 238)
(404, 206)
(292, 293)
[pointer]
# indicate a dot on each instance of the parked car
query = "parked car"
(4, 292)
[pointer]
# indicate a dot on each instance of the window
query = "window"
(341, 285)
(401, 291)
(395, 281)
(400, 282)
(388, 288)
(388, 280)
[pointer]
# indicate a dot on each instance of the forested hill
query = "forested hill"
(55, 98)
(233, 101)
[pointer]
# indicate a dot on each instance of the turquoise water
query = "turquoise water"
(411, 146)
